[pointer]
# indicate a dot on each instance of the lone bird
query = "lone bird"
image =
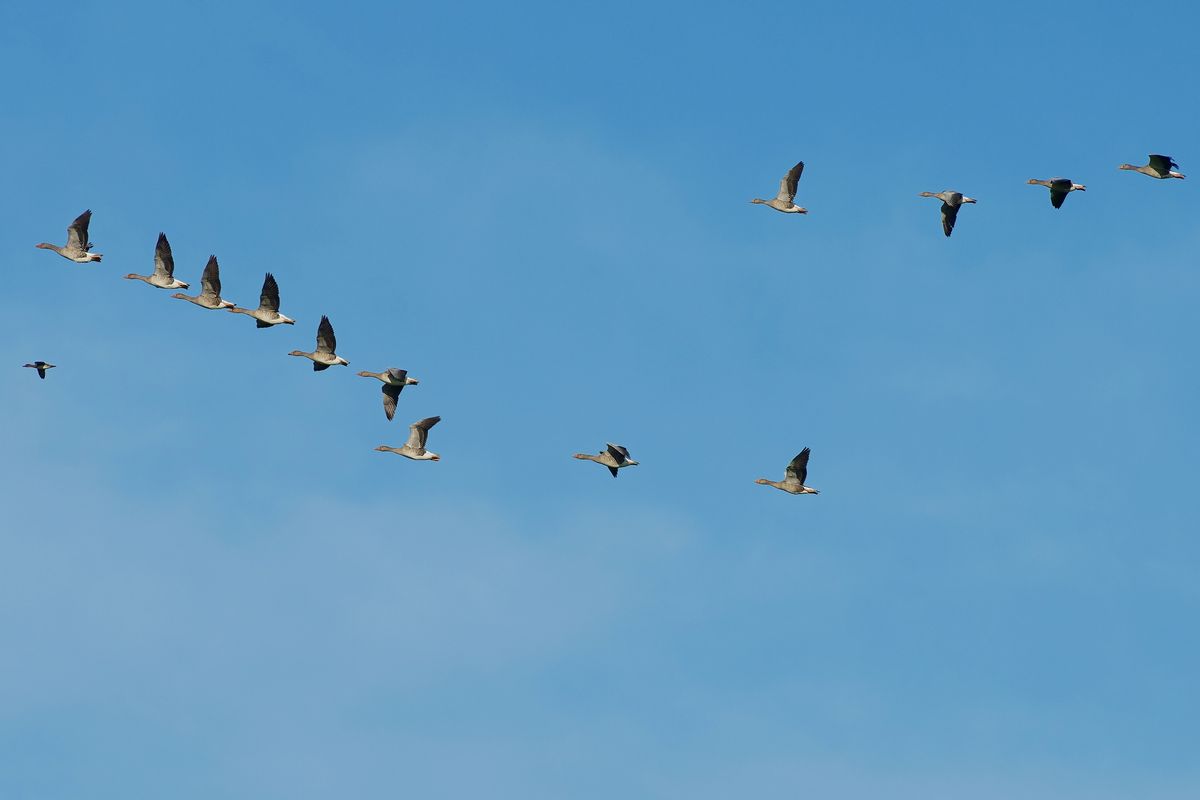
(414, 448)
(394, 381)
(210, 288)
(41, 367)
(787, 193)
(1059, 189)
(164, 268)
(267, 313)
(1159, 167)
(324, 356)
(614, 457)
(77, 246)
(793, 480)
(951, 202)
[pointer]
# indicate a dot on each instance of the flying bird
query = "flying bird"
(394, 381)
(267, 313)
(164, 268)
(77, 246)
(41, 367)
(614, 456)
(794, 476)
(951, 202)
(1159, 167)
(324, 356)
(787, 193)
(210, 288)
(414, 448)
(1059, 189)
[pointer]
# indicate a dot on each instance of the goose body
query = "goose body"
(951, 202)
(787, 193)
(267, 313)
(614, 456)
(1059, 189)
(324, 356)
(41, 367)
(394, 381)
(163, 276)
(210, 288)
(1159, 167)
(414, 448)
(794, 476)
(77, 246)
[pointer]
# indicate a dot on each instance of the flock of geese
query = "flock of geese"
(614, 457)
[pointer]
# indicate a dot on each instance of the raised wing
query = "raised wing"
(391, 393)
(77, 232)
(164, 262)
(787, 186)
(269, 299)
(398, 375)
(210, 281)
(618, 452)
(418, 433)
(798, 469)
(326, 341)
(949, 215)
(1162, 163)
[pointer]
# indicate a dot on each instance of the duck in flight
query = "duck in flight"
(1059, 189)
(614, 456)
(1159, 167)
(794, 476)
(324, 356)
(394, 381)
(210, 288)
(41, 367)
(77, 246)
(951, 202)
(267, 313)
(414, 448)
(787, 193)
(164, 268)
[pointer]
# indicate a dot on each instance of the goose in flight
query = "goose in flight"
(394, 381)
(210, 288)
(787, 193)
(1059, 189)
(77, 242)
(951, 202)
(793, 480)
(614, 456)
(41, 367)
(267, 313)
(1159, 167)
(414, 448)
(164, 268)
(324, 356)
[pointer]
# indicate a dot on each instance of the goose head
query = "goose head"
(300, 353)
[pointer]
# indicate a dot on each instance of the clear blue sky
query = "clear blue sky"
(211, 586)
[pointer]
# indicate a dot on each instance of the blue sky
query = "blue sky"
(211, 586)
